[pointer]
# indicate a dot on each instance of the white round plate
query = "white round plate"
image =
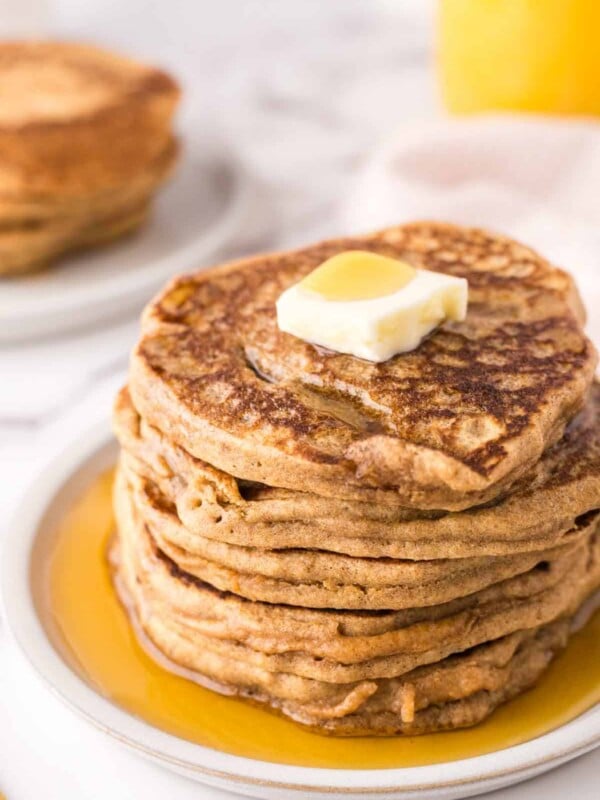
(28, 544)
(194, 215)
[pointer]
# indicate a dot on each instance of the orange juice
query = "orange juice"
(520, 55)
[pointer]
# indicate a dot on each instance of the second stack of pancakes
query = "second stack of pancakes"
(86, 141)
(355, 606)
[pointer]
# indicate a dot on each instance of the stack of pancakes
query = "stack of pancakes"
(366, 548)
(85, 141)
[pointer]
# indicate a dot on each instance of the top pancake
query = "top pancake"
(74, 118)
(449, 425)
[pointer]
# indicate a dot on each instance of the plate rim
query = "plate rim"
(62, 466)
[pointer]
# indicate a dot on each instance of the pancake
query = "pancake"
(449, 426)
(30, 211)
(85, 142)
(459, 693)
(75, 119)
(456, 692)
(460, 688)
(319, 579)
(367, 549)
(542, 510)
(29, 249)
(334, 646)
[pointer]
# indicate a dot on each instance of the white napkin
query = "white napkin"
(534, 178)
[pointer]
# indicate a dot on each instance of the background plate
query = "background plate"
(198, 212)
(28, 543)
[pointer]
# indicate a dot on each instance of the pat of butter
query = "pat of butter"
(370, 306)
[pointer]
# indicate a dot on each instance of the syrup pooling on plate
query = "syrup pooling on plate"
(98, 641)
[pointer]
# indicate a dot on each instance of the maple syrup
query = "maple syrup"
(358, 275)
(98, 641)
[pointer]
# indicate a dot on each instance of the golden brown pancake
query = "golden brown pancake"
(343, 646)
(318, 579)
(450, 425)
(542, 510)
(85, 141)
(29, 211)
(28, 249)
(75, 119)
(368, 549)
(386, 694)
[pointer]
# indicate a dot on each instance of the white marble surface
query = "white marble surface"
(302, 91)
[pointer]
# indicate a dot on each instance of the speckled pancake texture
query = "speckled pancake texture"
(367, 549)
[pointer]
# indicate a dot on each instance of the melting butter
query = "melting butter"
(370, 306)
(358, 275)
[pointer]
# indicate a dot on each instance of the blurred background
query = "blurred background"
(292, 95)
(306, 95)
(298, 90)
(340, 116)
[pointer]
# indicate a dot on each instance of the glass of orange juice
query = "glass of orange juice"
(520, 55)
